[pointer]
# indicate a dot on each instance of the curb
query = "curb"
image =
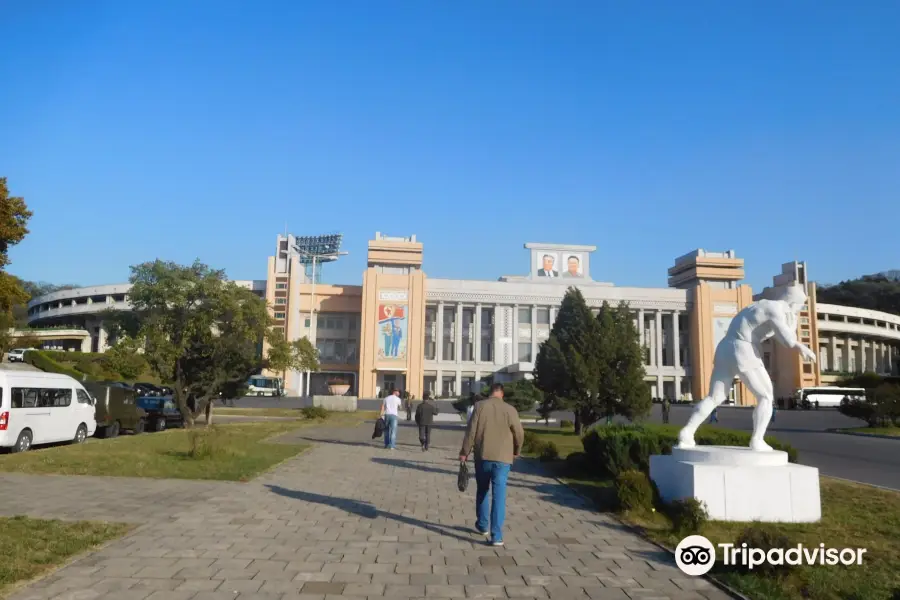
(868, 435)
(640, 533)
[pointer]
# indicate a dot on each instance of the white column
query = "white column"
(439, 352)
(457, 346)
(533, 333)
(677, 387)
(832, 355)
(861, 359)
(438, 383)
(659, 347)
(477, 338)
(676, 347)
(641, 329)
(848, 348)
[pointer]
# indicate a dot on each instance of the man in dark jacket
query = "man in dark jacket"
(424, 418)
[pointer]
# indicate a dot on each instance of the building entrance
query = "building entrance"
(387, 381)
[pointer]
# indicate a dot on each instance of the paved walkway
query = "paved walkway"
(346, 520)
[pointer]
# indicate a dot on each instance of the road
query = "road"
(867, 460)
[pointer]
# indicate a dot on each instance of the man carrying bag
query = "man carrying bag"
(496, 435)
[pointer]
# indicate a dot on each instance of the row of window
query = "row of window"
(45, 397)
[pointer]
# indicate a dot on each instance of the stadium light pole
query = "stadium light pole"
(311, 332)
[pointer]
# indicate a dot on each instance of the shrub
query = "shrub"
(688, 515)
(634, 491)
(766, 537)
(314, 413)
(532, 442)
(566, 424)
(549, 451)
(205, 443)
(42, 361)
(612, 449)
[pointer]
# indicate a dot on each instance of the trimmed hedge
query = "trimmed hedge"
(41, 360)
(612, 449)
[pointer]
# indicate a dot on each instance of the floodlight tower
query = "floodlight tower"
(313, 251)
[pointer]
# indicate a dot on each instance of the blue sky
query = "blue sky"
(186, 129)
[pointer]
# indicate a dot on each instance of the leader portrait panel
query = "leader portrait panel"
(547, 265)
(573, 266)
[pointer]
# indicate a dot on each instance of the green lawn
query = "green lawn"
(235, 452)
(854, 516)
(257, 412)
(892, 431)
(30, 547)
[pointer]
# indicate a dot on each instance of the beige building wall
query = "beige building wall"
(393, 281)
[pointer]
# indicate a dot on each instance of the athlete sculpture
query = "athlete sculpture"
(739, 354)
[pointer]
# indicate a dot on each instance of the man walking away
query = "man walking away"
(390, 412)
(666, 407)
(424, 419)
(496, 435)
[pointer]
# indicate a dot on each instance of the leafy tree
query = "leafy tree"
(622, 389)
(880, 407)
(875, 292)
(522, 394)
(125, 358)
(565, 367)
(199, 331)
(26, 341)
(283, 356)
(14, 216)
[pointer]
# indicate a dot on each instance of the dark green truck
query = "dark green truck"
(115, 409)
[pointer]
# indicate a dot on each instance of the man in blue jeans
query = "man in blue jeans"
(495, 433)
(390, 412)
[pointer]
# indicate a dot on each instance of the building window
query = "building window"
(430, 331)
(468, 326)
(543, 316)
(524, 351)
(280, 300)
(279, 316)
(449, 333)
(525, 315)
(306, 322)
(280, 286)
(487, 334)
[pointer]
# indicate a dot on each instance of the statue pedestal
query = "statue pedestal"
(739, 484)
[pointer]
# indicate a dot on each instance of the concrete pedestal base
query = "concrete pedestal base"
(336, 403)
(739, 484)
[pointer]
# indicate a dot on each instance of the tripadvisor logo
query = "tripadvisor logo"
(696, 555)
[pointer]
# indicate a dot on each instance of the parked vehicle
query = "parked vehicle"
(43, 408)
(265, 386)
(17, 355)
(116, 410)
(148, 389)
(162, 412)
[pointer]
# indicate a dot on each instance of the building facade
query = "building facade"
(400, 328)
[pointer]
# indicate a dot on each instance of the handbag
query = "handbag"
(379, 428)
(462, 480)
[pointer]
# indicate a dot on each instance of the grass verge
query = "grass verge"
(257, 412)
(891, 431)
(853, 516)
(31, 547)
(232, 452)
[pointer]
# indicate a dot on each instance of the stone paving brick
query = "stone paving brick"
(379, 525)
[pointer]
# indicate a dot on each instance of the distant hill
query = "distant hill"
(875, 292)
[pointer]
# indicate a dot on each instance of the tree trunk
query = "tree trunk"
(209, 415)
(577, 423)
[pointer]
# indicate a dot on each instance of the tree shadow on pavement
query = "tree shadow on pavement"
(367, 510)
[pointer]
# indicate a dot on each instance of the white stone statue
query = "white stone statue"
(739, 355)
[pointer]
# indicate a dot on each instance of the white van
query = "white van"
(43, 408)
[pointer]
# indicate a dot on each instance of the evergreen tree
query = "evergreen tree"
(622, 389)
(565, 366)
